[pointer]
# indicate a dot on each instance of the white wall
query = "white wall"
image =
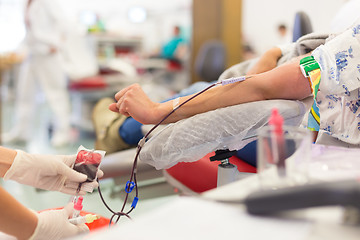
(162, 16)
(12, 29)
(261, 18)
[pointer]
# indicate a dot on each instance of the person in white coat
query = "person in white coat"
(42, 68)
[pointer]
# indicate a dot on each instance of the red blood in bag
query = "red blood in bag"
(88, 157)
(87, 162)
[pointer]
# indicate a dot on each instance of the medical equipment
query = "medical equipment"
(88, 218)
(345, 193)
(231, 128)
(233, 80)
(278, 142)
(188, 144)
(132, 183)
(87, 162)
(227, 172)
(78, 207)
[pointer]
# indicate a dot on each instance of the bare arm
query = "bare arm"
(266, 62)
(16, 219)
(283, 82)
(7, 157)
(13, 214)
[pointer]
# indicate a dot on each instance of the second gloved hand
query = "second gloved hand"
(54, 224)
(49, 172)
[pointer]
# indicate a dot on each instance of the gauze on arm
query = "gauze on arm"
(232, 127)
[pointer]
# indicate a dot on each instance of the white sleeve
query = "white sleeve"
(339, 60)
(286, 48)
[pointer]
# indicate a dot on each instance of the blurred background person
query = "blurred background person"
(171, 48)
(42, 69)
(284, 34)
(175, 48)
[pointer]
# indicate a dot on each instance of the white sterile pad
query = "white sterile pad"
(333, 163)
(232, 127)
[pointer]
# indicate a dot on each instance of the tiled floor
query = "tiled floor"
(150, 197)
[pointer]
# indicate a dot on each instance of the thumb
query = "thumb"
(71, 174)
(69, 208)
(81, 228)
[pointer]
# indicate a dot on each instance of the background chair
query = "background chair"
(211, 60)
(232, 128)
(302, 25)
(151, 182)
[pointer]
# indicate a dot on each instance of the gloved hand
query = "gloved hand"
(49, 172)
(54, 224)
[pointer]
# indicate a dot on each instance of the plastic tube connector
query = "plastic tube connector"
(278, 141)
(277, 121)
(78, 207)
(88, 218)
(134, 202)
(234, 80)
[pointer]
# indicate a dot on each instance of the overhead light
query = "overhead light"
(137, 14)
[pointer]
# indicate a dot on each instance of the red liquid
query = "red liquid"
(87, 162)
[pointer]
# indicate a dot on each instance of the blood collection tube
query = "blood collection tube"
(78, 207)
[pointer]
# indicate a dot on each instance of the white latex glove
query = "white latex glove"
(54, 224)
(49, 172)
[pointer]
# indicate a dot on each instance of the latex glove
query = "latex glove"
(49, 172)
(54, 224)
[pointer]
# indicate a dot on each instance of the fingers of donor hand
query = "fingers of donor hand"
(113, 107)
(128, 97)
(118, 96)
(129, 91)
(133, 101)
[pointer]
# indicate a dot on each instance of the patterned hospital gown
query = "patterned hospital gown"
(339, 96)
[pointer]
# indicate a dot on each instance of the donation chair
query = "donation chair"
(151, 182)
(183, 150)
(179, 156)
(200, 176)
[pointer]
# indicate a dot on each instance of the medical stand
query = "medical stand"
(227, 172)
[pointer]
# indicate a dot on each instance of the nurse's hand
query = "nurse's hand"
(54, 224)
(132, 101)
(49, 172)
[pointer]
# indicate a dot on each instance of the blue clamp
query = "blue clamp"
(129, 186)
(134, 202)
